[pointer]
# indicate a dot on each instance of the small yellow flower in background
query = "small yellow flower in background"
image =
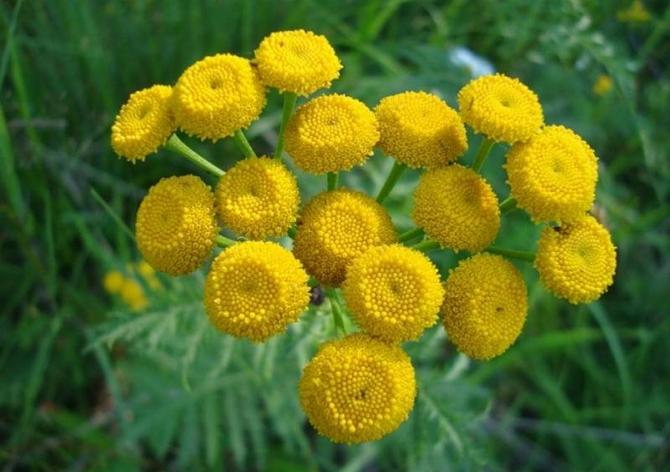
(456, 207)
(176, 225)
(334, 228)
(357, 389)
(603, 85)
(635, 13)
(258, 198)
(144, 123)
(331, 133)
(485, 305)
(501, 108)
(420, 130)
(113, 281)
(393, 292)
(576, 261)
(553, 175)
(299, 61)
(217, 96)
(132, 294)
(148, 274)
(255, 290)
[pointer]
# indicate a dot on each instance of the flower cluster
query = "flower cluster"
(361, 386)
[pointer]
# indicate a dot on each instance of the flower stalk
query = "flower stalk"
(243, 144)
(287, 111)
(332, 180)
(391, 180)
(512, 253)
(178, 146)
(482, 154)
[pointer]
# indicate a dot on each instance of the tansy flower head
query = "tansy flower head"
(457, 208)
(217, 96)
(393, 292)
(485, 305)
(144, 123)
(297, 61)
(553, 175)
(577, 260)
(176, 225)
(258, 198)
(113, 281)
(420, 130)
(132, 294)
(357, 389)
(255, 290)
(603, 85)
(501, 108)
(334, 228)
(331, 133)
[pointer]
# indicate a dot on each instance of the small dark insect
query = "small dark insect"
(316, 295)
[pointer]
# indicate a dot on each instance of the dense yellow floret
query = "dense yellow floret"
(334, 228)
(132, 294)
(255, 290)
(457, 208)
(501, 108)
(144, 123)
(113, 281)
(553, 175)
(176, 225)
(299, 61)
(258, 198)
(577, 260)
(485, 305)
(331, 133)
(217, 96)
(393, 292)
(357, 389)
(420, 130)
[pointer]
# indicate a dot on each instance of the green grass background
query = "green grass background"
(85, 384)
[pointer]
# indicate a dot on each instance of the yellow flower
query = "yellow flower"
(255, 290)
(144, 123)
(501, 108)
(337, 226)
(357, 389)
(132, 294)
(149, 274)
(113, 281)
(297, 61)
(602, 85)
(457, 208)
(331, 133)
(553, 175)
(258, 198)
(635, 13)
(420, 130)
(217, 96)
(576, 261)
(176, 225)
(393, 292)
(485, 305)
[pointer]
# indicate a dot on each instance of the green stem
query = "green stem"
(482, 153)
(222, 241)
(292, 231)
(333, 178)
(177, 145)
(391, 180)
(243, 144)
(411, 234)
(507, 205)
(336, 309)
(426, 245)
(512, 253)
(289, 105)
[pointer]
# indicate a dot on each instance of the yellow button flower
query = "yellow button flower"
(420, 130)
(299, 61)
(258, 198)
(144, 123)
(255, 290)
(485, 305)
(603, 85)
(577, 260)
(217, 96)
(357, 389)
(334, 228)
(176, 225)
(132, 294)
(553, 175)
(113, 281)
(393, 292)
(501, 108)
(456, 207)
(331, 133)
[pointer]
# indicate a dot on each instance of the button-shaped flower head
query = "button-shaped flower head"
(331, 133)
(577, 260)
(255, 289)
(485, 305)
(357, 389)
(176, 225)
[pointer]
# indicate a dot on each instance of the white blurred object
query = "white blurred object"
(464, 57)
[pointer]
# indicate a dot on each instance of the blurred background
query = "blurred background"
(135, 378)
